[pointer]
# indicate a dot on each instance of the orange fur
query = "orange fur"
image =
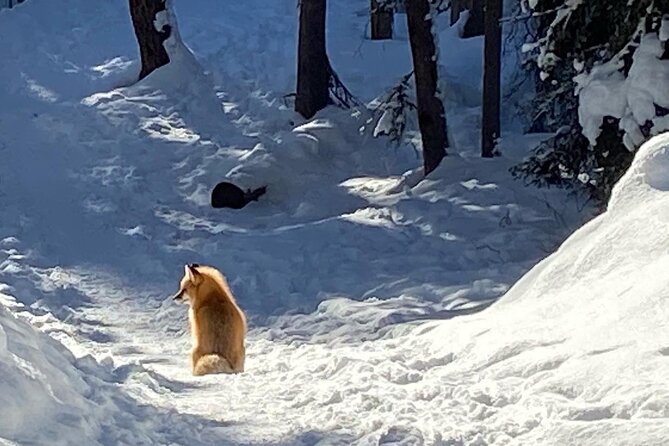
(217, 324)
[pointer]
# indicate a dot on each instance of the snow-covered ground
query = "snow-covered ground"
(368, 291)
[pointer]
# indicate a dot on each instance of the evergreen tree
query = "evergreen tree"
(583, 48)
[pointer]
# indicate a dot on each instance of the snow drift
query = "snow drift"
(578, 349)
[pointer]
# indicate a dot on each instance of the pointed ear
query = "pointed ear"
(192, 273)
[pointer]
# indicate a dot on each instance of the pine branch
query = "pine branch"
(339, 94)
(390, 114)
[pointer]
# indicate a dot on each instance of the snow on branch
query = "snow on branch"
(391, 113)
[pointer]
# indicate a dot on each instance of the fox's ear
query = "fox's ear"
(191, 272)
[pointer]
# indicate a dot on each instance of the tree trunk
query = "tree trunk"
(475, 23)
(490, 129)
(151, 49)
(382, 21)
(313, 73)
(431, 115)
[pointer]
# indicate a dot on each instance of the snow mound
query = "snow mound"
(39, 385)
(579, 347)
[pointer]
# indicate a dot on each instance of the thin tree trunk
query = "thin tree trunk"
(490, 129)
(431, 115)
(475, 23)
(382, 21)
(313, 73)
(457, 6)
(150, 40)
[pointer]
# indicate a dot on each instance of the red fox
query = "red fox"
(217, 324)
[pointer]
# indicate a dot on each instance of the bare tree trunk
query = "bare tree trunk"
(313, 73)
(382, 20)
(457, 6)
(151, 49)
(431, 115)
(490, 129)
(475, 23)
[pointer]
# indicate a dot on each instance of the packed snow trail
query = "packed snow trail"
(105, 197)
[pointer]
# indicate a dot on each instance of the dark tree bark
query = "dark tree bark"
(490, 128)
(475, 24)
(382, 20)
(150, 40)
(313, 72)
(457, 6)
(431, 115)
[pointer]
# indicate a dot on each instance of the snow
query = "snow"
(600, 96)
(605, 91)
(161, 20)
(663, 33)
(382, 305)
(613, 88)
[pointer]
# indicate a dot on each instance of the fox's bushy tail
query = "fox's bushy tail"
(212, 363)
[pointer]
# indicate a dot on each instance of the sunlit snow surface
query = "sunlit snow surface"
(363, 284)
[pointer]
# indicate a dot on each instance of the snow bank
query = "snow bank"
(578, 349)
(52, 63)
(42, 393)
(180, 55)
(49, 397)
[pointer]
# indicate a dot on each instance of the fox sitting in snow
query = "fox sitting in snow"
(217, 324)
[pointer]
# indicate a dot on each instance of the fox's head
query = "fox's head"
(190, 282)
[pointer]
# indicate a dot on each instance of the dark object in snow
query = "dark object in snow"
(227, 195)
